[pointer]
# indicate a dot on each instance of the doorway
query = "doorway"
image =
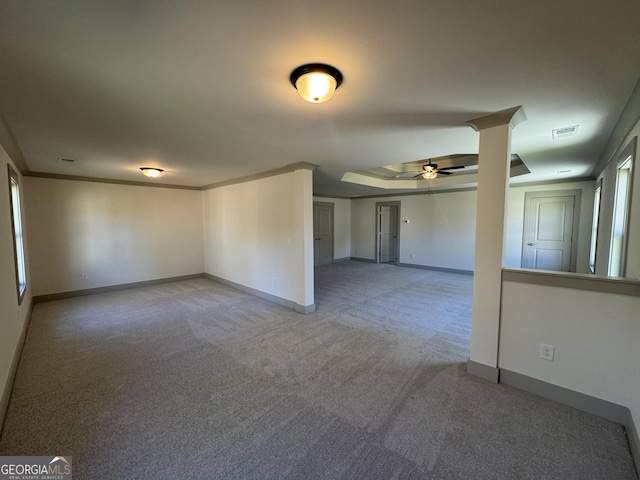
(322, 233)
(387, 232)
(550, 227)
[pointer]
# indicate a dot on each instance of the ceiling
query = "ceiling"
(201, 89)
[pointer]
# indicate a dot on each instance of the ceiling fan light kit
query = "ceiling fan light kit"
(431, 170)
(316, 82)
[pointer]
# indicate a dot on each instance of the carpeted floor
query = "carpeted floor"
(196, 380)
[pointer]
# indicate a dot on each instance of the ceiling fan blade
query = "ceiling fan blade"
(416, 176)
(451, 168)
(440, 172)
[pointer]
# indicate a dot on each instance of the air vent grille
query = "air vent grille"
(565, 132)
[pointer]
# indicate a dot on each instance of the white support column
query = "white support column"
(493, 182)
(305, 296)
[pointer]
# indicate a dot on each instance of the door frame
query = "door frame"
(333, 227)
(628, 154)
(377, 232)
(577, 194)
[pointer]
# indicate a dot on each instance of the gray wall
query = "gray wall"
(13, 317)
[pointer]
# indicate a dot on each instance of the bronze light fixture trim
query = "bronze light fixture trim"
(316, 82)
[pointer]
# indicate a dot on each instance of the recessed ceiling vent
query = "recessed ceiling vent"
(565, 132)
(67, 160)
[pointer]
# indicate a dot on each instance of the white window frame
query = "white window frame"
(621, 217)
(17, 230)
(595, 226)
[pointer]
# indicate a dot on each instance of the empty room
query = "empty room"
(290, 240)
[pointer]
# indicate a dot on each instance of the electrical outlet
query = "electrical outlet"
(546, 352)
(85, 276)
(412, 256)
(273, 281)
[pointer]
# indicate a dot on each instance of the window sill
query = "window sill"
(576, 281)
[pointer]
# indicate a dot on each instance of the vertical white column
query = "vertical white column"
(304, 262)
(493, 182)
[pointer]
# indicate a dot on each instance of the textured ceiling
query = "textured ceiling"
(201, 89)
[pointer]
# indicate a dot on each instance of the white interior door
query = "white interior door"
(548, 232)
(322, 234)
(388, 233)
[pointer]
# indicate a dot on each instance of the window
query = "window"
(18, 243)
(594, 227)
(617, 254)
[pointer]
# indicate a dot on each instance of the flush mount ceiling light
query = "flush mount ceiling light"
(316, 82)
(151, 172)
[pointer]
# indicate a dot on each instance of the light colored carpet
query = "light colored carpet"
(196, 380)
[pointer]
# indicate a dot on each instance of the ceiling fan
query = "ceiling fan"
(431, 170)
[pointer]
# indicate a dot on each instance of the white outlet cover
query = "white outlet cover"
(546, 352)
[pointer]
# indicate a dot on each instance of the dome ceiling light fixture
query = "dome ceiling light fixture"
(316, 82)
(151, 172)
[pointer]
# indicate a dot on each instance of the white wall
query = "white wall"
(13, 317)
(515, 221)
(341, 225)
(441, 228)
(363, 228)
(116, 234)
(440, 232)
(595, 336)
(259, 234)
